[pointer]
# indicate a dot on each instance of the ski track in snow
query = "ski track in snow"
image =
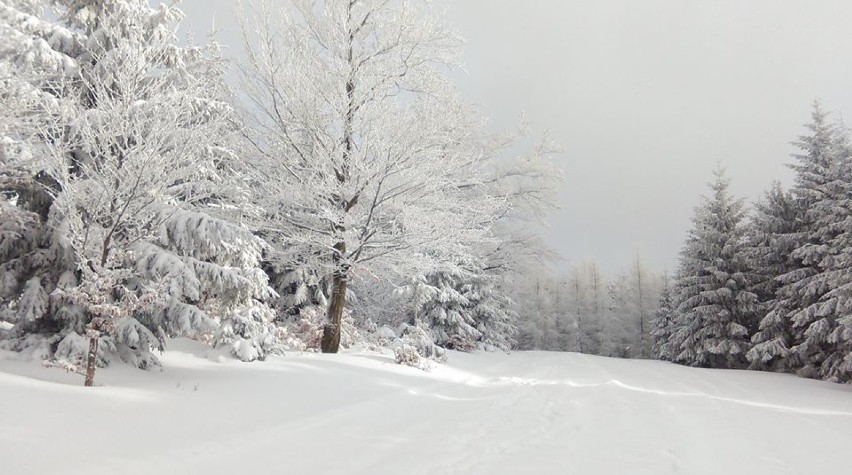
(359, 413)
(619, 384)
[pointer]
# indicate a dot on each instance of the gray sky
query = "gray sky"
(645, 96)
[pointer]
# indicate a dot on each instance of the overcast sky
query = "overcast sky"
(645, 96)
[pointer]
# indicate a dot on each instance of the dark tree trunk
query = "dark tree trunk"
(91, 360)
(331, 331)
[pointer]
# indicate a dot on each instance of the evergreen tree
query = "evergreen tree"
(662, 325)
(716, 309)
(538, 319)
(35, 57)
(835, 306)
(134, 239)
(772, 233)
(800, 299)
(632, 295)
(590, 322)
(465, 311)
(821, 322)
(619, 329)
(564, 319)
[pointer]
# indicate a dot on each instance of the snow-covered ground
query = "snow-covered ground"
(358, 412)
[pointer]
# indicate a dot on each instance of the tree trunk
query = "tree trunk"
(91, 360)
(331, 331)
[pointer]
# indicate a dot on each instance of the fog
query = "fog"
(645, 97)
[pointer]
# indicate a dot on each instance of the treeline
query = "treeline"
(344, 192)
(585, 311)
(766, 288)
(770, 289)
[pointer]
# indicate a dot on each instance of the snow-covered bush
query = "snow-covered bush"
(407, 355)
(421, 340)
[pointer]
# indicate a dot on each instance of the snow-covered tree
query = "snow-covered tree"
(619, 327)
(565, 324)
(298, 288)
(632, 301)
(835, 306)
(34, 57)
(802, 305)
(820, 320)
(590, 325)
(366, 157)
(772, 233)
(567, 312)
(465, 311)
(716, 309)
(662, 325)
(132, 135)
(441, 303)
(537, 320)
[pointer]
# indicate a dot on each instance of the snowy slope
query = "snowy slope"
(534, 412)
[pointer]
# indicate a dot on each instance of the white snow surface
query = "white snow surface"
(360, 413)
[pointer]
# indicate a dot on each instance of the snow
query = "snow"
(358, 412)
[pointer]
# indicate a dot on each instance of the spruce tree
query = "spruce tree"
(662, 325)
(835, 306)
(128, 139)
(822, 321)
(716, 309)
(801, 300)
(465, 311)
(772, 233)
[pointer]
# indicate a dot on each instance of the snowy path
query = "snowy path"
(482, 413)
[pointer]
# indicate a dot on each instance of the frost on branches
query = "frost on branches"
(814, 295)
(362, 147)
(772, 234)
(801, 248)
(464, 311)
(130, 134)
(716, 310)
(662, 325)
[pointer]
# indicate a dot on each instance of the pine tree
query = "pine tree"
(35, 55)
(662, 325)
(465, 311)
(632, 295)
(565, 321)
(716, 310)
(132, 139)
(772, 233)
(591, 328)
(800, 299)
(441, 305)
(619, 329)
(822, 321)
(836, 304)
(538, 318)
